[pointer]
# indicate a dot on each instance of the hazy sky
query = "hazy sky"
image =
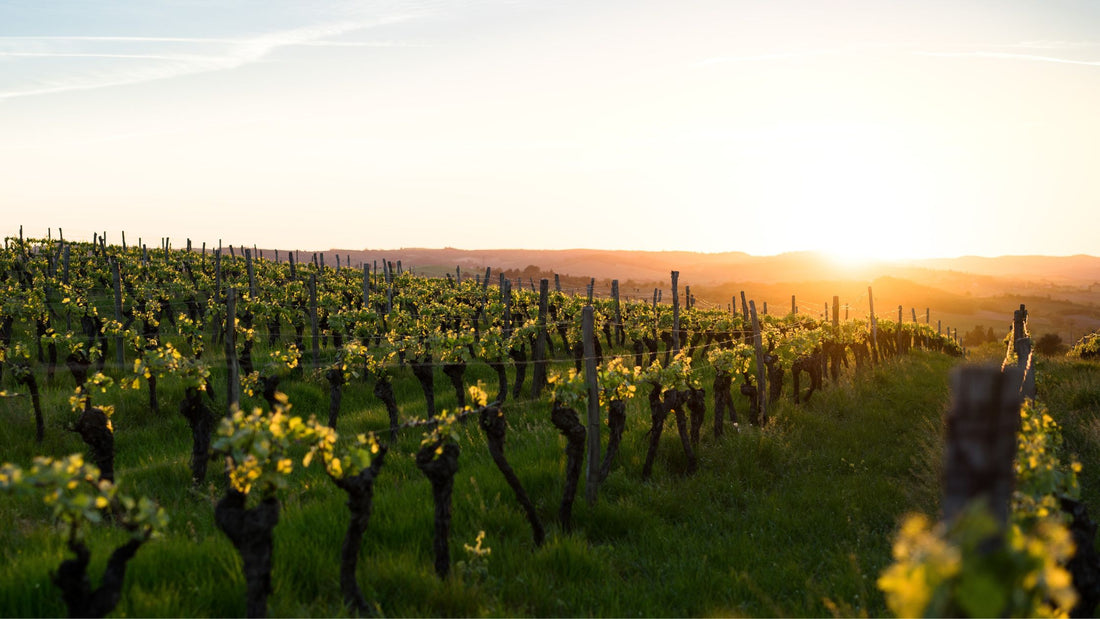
(882, 128)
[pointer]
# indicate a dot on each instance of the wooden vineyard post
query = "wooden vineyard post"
(366, 287)
(794, 306)
(656, 318)
(981, 440)
(557, 283)
(538, 376)
(1022, 344)
(745, 307)
(506, 296)
(761, 369)
(315, 346)
(251, 274)
(293, 265)
(65, 264)
(233, 370)
(675, 313)
(592, 470)
(914, 310)
(874, 325)
(901, 332)
(620, 333)
(117, 279)
(591, 289)
(218, 272)
(485, 282)
(836, 313)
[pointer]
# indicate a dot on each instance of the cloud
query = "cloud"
(764, 57)
(222, 53)
(1009, 56)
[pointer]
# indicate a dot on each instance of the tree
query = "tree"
(1050, 345)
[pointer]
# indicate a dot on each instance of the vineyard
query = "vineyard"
(217, 433)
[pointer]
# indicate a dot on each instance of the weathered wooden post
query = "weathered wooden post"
(119, 360)
(874, 325)
(1022, 344)
(538, 376)
(982, 425)
(592, 470)
(675, 313)
(313, 330)
(794, 305)
(233, 373)
(251, 274)
(620, 332)
(761, 368)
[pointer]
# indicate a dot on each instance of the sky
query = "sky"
(879, 129)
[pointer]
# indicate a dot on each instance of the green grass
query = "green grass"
(775, 522)
(1071, 390)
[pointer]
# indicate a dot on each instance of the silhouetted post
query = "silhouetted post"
(218, 272)
(65, 264)
(538, 375)
(744, 306)
(1022, 344)
(761, 370)
(233, 369)
(794, 306)
(981, 440)
(592, 471)
(366, 286)
(620, 333)
(557, 283)
(118, 309)
(836, 313)
(675, 313)
(874, 325)
(251, 274)
(313, 330)
(927, 315)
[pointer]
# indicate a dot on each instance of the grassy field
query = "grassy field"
(793, 519)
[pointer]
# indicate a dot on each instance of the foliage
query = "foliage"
(78, 498)
(1087, 347)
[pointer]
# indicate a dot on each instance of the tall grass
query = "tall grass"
(792, 519)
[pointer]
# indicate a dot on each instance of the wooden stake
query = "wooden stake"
(233, 375)
(675, 313)
(761, 367)
(314, 331)
(981, 440)
(538, 375)
(592, 476)
(118, 306)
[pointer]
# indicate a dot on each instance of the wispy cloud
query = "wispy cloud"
(222, 53)
(1009, 56)
(785, 55)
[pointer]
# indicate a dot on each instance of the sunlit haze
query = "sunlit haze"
(862, 129)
